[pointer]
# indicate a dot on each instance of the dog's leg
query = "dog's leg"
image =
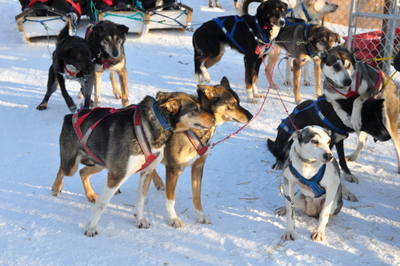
(344, 116)
(116, 91)
(217, 4)
(144, 183)
(362, 138)
(306, 75)
(342, 162)
(85, 173)
(296, 80)
(317, 75)
(70, 103)
(391, 123)
(288, 76)
(109, 189)
(236, 4)
(290, 225)
(356, 121)
(210, 3)
(158, 183)
(51, 88)
(273, 57)
(197, 177)
(123, 80)
(299, 202)
(172, 175)
(319, 234)
(97, 88)
(58, 183)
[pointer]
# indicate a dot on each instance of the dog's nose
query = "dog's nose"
(281, 23)
(328, 157)
(347, 82)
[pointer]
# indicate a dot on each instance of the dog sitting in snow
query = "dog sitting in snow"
(312, 167)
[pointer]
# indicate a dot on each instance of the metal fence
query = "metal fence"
(371, 28)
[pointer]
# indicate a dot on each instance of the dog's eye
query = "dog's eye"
(314, 141)
(336, 67)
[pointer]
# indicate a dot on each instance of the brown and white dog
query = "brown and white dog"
(311, 167)
(106, 40)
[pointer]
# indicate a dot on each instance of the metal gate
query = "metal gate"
(374, 32)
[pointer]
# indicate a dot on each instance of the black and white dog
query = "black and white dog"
(347, 77)
(242, 34)
(72, 59)
(311, 168)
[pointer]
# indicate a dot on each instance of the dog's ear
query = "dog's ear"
(296, 135)
(163, 95)
(209, 91)
(337, 38)
(123, 28)
(225, 82)
(172, 105)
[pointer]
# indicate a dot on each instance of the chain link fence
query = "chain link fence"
(371, 28)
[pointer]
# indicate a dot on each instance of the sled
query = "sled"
(31, 26)
(140, 21)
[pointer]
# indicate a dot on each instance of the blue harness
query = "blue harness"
(312, 183)
(303, 7)
(290, 128)
(306, 27)
(220, 22)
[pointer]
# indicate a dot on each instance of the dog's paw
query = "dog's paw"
(176, 222)
(287, 83)
(288, 235)
(318, 236)
(306, 83)
(92, 197)
(117, 94)
(349, 196)
(258, 95)
(351, 178)
(351, 158)
(281, 211)
(202, 219)
(91, 231)
(142, 224)
(72, 108)
(41, 107)
(252, 100)
(80, 95)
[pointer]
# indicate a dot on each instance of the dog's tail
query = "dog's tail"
(63, 33)
(245, 5)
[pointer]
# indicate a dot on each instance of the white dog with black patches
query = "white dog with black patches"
(312, 168)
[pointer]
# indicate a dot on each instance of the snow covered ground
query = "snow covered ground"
(240, 190)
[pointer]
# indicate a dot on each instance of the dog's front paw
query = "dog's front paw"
(252, 100)
(142, 224)
(288, 235)
(351, 158)
(287, 83)
(91, 231)
(92, 197)
(202, 219)
(72, 108)
(318, 236)
(350, 177)
(175, 222)
(281, 211)
(356, 123)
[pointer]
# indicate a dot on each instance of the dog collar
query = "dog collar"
(312, 183)
(304, 160)
(160, 118)
(107, 62)
(197, 143)
(70, 73)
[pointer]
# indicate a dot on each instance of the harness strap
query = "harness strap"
(72, 74)
(220, 23)
(303, 7)
(196, 142)
(261, 32)
(314, 104)
(312, 183)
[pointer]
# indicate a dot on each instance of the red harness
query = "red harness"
(141, 137)
(353, 90)
(196, 142)
(76, 6)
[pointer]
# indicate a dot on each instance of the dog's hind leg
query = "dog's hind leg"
(296, 80)
(273, 57)
(288, 72)
(70, 103)
(68, 167)
(197, 177)
(342, 162)
(51, 88)
(158, 183)
(85, 173)
(306, 75)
